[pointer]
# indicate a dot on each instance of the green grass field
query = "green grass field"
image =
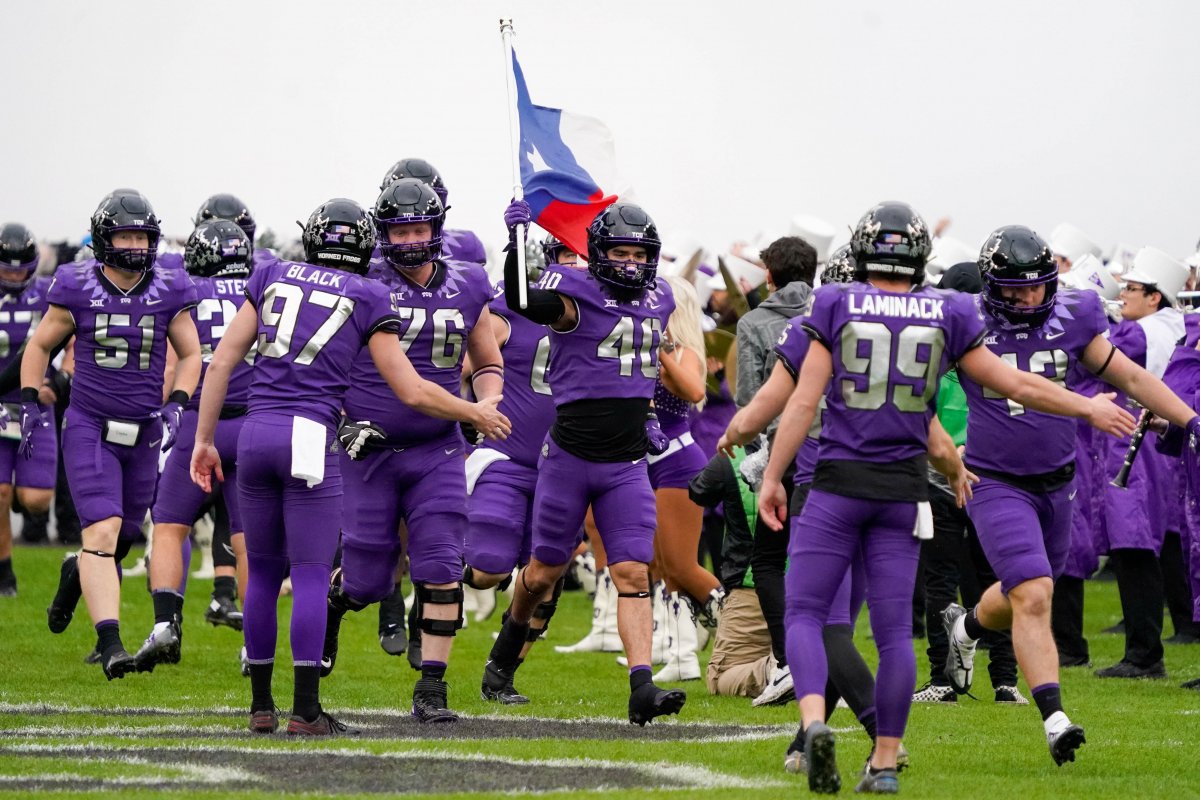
(181, 730)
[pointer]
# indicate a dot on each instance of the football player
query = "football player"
(457, 244)
(501, 475)
(218, 257)
(310, 322)
(122, 311)
(879, 346)
(1025, 459)
(22, 303)
(401, 464)
(605, 331)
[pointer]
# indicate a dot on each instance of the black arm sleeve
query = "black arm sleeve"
(542, 307)
(712, 486)
(10, 378)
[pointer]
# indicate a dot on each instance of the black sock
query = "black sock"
(108, 636)
(260, 687)
(306, 702)
(225, 586)
(640, 676)
(164, 605)
(179, 610)
(1048, 697)
(972, 626)
(433, 670)
(509, 644)
(5, 567)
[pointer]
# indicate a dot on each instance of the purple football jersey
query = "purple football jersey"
(791, 349)
(434, 324)
(312, 323)
(120, 337)
(19, 315)
(613, 349)
(1003, 435)
(889, 350)
(219, 301)
(464, 246)
(527, 401)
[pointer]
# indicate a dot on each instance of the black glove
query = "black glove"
(359, 438)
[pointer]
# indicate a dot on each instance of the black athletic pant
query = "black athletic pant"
(1066, 621)
(1176, 587)
(954, 563)
(1140, 583)
(768, 561)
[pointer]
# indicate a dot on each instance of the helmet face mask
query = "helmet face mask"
(1014, 257)
(423, 171)
(623, 225)
(218, 248)
(339, 234)
(891, 241)
(409, 201)
(226, 206)
(18, 251)
(125, 210)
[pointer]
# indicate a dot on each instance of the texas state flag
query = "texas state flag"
(563, 155)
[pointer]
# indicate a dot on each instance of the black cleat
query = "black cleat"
(118, 664)
(1127, 669)
(820, 751)
(94, 657)
(62, 607)
(392, 637)
(1064, 743)
(498, 686)
(431, 700)
(160, 647)
(648, 701)
(224, 611)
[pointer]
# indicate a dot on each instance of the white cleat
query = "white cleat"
(779, 688)
(960, 660)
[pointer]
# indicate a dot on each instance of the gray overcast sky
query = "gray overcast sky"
(728, 117)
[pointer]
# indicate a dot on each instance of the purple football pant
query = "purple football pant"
(179, 500)
(675, 468)
(38, 472)
(106, 479)
(424, 485)
(824, 541)
(499, 513)
(620, 496)
(1025, 535)
(285, 522)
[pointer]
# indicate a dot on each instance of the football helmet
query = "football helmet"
(125, 210)
(218, 248)
(409, 200)
(551, 247)
(891, 240)
(340, 234)
(1014, 257)
(18, 250)
(420, 169)
(623, 224)
(840, 268)
(226, 206)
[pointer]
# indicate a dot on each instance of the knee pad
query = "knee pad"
(338, 599)
(545, 611)
(440, 597)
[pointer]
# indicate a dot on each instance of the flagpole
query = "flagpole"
(514, 138)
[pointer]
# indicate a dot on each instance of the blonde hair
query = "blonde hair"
(684, 323)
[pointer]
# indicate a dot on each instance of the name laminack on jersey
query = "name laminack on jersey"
(897, 305)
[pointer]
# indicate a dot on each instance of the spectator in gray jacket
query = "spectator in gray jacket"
(791, 265)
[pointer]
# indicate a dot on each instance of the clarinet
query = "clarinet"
(1135, 444)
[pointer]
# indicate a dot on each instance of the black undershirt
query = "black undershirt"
(905, 481)
(607, 430)
(1041, 483)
